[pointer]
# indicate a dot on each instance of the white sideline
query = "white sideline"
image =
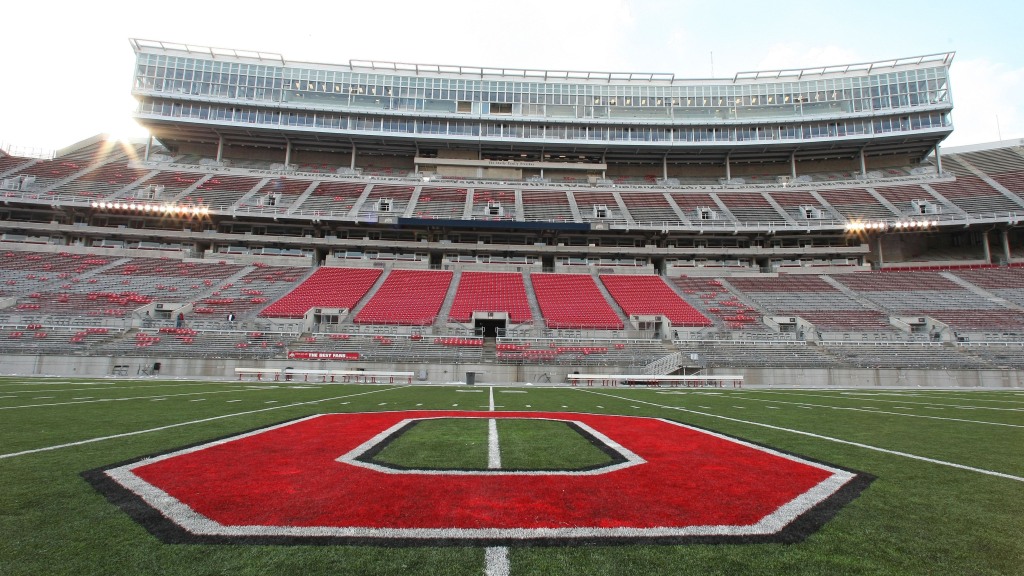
(749, 399)
(820, 437)
(200, 421)
(98, 400)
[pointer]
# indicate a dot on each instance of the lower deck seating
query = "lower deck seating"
(649, 295)
(573, 301)
(408, 297)
(326, 288)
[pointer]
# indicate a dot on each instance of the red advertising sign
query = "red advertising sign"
(324, 355)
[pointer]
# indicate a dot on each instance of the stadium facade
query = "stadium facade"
(792, 226)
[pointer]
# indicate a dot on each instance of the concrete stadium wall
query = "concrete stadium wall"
(221, 369)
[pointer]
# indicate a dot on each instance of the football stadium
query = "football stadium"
(386, 317)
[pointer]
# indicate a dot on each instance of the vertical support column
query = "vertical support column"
(1004, 236)
(287, 153)
(220, 147)
(987, 250)
(792, 165)
(728, 169)
(863, 165)
(664, 167)
(149, 144)
(938, 161)
(878, 251)
(352, 164)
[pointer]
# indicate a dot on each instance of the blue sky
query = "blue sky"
(67, 70)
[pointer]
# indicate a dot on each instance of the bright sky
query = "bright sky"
(67, 66)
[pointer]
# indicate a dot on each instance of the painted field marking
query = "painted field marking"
(795, 393)
(198, 400)
(98, 400)
(496, 560)
(822, 437)
(496, 557)
(97, 387)
(873, 410)
(190, 422)
(230, 401)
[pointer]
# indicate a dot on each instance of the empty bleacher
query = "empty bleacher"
(649, 295)
(750, 207)
(856, 204)
(650, 208)
(795, 203)
(220, 192)
(489, 204)
(717, 303)
(598, 207)
(327, 288)
(102, 182)
(546, 205)
(443, 203)
(491, 292)
(333, 198)
(407, 297)
(813, 299)
(573, 301)
(579, 351)
(397, 200)
(929, 293)
(164, 186)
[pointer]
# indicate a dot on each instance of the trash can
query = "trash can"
(470, 378)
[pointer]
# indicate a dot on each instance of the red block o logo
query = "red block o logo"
(308, 481)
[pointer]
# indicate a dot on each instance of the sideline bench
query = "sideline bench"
(655, 381)
(355, 376)
(258, 372)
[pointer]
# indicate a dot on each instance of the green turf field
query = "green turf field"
(948, 496)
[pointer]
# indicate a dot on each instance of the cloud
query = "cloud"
(984, 91)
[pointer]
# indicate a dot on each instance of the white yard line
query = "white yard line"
(496, 557)
(169, 426)
(493, 449)
(880, 411)
(821, 437)
(123, 399)
(902, 401)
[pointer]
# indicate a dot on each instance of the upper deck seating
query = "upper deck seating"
(649, 295)
(333, 198)
(494, 204)
(102, 182)
(856, 204)
(975, 196)
(221, 192)
(750, 207)
(163, 187)
(546, 205)
(794, 202)
(278, 195)
(326, 288)
(650, 208)
(598, 207)
(442, 203)
(407, 297)
(491, 292)
(398, 199)
(573, 301)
